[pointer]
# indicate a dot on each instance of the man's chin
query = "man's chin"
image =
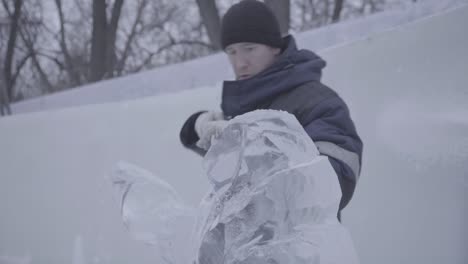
(243, 77)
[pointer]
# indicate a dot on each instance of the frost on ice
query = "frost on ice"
(274, 199)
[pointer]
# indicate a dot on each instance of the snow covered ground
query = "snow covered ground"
(211, 70)
(407, 91)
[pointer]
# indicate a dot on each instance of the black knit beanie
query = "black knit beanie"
(250, 21)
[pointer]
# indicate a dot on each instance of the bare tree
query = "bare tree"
(372, 6)
(10, 51)
(160, 33)
(22, 65)
(112, 37)
(103, 39)
(97, 67)
(212, 21)
(29, 42)
(337, 10)
(69, 64)
(4, 101)
(281, 9)
(135, 30)
(312, 14)
(94, 40)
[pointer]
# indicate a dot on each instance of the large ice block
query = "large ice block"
(274, 198)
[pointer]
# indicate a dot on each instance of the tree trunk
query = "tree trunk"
(337, 10)
(281, 9)
(112, 36)
(211, 20)
(10, 52)
(97, 68)
(4, 100)
(70, 67)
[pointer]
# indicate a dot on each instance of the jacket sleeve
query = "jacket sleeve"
(188, 135)
(330, 126)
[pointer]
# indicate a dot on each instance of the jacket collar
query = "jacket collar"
(292, 68)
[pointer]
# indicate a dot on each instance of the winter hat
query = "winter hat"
(250, 21)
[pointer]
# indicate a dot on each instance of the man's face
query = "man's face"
(248, 59)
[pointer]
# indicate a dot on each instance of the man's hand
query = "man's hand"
(208, 125)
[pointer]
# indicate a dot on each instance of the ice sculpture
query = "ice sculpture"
(153, 212)
(274, 199)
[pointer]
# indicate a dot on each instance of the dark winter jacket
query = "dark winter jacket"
(293, 84)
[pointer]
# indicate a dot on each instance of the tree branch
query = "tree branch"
(20, 65)
(30, 45)
(10, 52)
(70, 67)
(123, 58)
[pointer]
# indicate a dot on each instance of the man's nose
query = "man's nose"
(241, 62)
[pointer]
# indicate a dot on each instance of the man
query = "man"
(271, 73)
